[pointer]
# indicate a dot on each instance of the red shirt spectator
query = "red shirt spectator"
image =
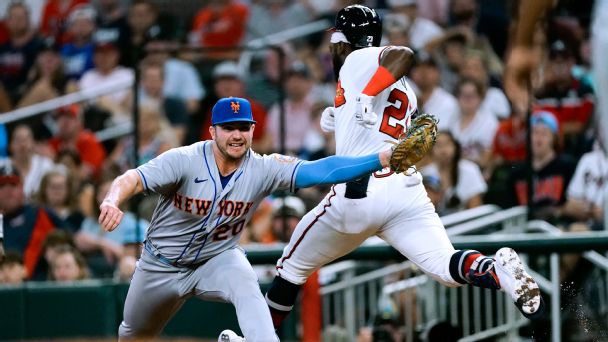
(221, 25)
(55, 17)
(510, 141)
(71, 135)
(4, 36)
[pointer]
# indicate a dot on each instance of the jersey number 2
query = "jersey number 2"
(398, 113)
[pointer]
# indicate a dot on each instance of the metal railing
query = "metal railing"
(351, 302)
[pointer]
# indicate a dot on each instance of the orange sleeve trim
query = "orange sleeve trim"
(381, 80)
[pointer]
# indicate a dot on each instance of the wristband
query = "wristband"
(1, 226)
(381, 80)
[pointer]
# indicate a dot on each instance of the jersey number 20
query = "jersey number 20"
(398, 113)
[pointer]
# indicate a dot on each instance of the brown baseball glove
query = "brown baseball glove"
(414, 143)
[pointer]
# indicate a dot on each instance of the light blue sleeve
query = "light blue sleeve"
(335, 169)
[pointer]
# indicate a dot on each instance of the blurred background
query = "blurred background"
(92, 88)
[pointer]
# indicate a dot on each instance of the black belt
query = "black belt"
(155, 253)
(357, 189)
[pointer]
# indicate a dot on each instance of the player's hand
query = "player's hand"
(1, 251)
(517, 80)
(328, 121)
(364, 111)
(110, 216)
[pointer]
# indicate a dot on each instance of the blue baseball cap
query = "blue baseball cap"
(231, 109)
(545, 118)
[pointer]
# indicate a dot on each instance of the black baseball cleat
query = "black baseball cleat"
(517, 283)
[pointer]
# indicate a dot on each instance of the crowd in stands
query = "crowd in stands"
(54, 170)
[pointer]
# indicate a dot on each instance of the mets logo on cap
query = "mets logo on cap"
(231, 109)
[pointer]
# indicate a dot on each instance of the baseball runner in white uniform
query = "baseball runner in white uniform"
(374, 104)
(208, 192)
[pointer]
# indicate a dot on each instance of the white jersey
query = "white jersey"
(394, 106)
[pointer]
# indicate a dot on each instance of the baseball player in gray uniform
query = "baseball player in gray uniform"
(208, 192)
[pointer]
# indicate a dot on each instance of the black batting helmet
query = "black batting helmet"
(360, 24)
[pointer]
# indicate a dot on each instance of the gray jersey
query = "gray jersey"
(195, 218)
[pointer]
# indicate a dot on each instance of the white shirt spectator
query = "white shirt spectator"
(590, 178)
(92, 79)
(477, 136)
(297, 123)
(39, 166)
(496, 102)
(470, 182)
(422, 31)
(182, 81)
(444, 106)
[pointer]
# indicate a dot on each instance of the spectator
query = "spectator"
(552, 171)
(68, 265)
(569, 99)
(421, 30)
(228, 82)
(473, 128)
(435, 10)
(46, 80)
(151, 95)
(71, 135)
(77, 55)
(30, 165)
(508, 149)
(121, 241)
(25, 226)
(58, 194)
(449, 52)
(70, 159)
(181, 80)
(485, 25)
(112, 24)
(434, 190)
(509, 145)
(431, 97)
(396, 30)
(17, 55)
(287, 212)
(12, 271)
(154, 139)
(585, 194)
(461, 180)
(272, 16)
(221, 23)
(35, 8)
(298, 106)
(145, 23)
(55, 16)
(494, 99)
(107, 72)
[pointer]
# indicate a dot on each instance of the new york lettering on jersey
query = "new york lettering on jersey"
(210, 217)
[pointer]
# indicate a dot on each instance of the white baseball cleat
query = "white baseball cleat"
(229, 336)
(518, 284)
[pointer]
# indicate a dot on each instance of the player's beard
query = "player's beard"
(225, 150)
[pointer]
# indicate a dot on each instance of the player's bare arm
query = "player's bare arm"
(523, 58)
(123, 187)
(395, 62)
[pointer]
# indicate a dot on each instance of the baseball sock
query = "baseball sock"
(281, 298)
(472, 267)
